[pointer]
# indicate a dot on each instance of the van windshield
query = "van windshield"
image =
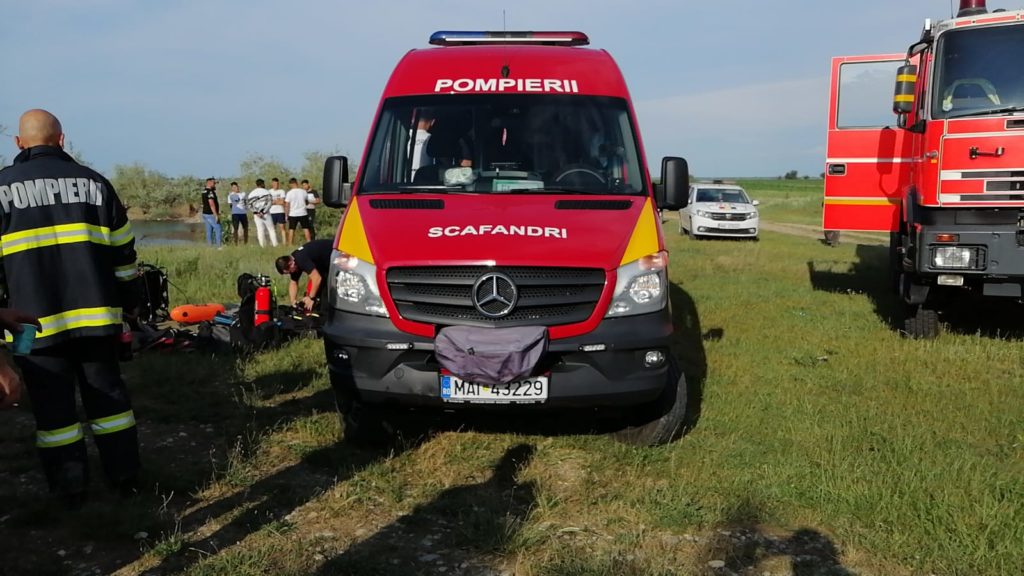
(504, 143)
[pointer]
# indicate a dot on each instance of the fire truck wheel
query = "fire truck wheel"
(661, 421)
(923, 324)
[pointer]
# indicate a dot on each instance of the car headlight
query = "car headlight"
(703, 213)
(353, 285)
(641, 286)
(751, 215)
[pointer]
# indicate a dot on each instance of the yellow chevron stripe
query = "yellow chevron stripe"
(353, 237)
(644, 240)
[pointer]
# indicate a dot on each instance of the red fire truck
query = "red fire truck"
(945, 175)
(501, 246)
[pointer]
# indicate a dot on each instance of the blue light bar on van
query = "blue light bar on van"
(464, 38)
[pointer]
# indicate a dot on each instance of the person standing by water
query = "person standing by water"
(239, 217)
(312, 199)
(295, 204)
(259, 201)
(277, 207)
(211, 213)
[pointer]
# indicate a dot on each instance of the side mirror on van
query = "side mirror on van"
(336, 194)
(671, 193)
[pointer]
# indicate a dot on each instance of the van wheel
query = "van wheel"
(922, 325)
(364, 426)
(661, 421)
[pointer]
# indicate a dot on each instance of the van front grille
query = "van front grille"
(547, 296)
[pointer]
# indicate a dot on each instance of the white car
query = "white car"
(719, 210)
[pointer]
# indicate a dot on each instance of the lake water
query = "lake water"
(167, 232)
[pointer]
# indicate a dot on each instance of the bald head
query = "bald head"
(39, 128)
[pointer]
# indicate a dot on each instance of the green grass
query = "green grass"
(831, 444)
(791, 201)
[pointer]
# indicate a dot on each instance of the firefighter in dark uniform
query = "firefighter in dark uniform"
(69, 259)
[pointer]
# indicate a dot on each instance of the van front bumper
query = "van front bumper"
(372, 361)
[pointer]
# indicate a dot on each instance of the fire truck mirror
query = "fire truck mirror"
(335, 193)
(675, 183)
(906, 85)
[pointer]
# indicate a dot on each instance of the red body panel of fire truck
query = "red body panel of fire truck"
(939, 162)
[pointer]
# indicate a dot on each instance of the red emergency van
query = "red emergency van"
(501, 245)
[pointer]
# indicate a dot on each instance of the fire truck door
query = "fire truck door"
(867, 155)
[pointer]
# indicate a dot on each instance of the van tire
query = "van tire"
(361, 425)
(663, 420)
(364, 426)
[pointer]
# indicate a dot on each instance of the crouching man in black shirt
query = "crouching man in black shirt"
(313, 258)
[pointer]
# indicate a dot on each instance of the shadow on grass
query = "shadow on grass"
(961, 312)
(192, 416)
(869, 275)
(688, 344)
(269, 500)
(742, 546)
(458, 528)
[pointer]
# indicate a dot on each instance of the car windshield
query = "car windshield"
(504, 143)
(732, 196)
(973, 77)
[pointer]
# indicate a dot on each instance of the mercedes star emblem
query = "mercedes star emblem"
(495, 295)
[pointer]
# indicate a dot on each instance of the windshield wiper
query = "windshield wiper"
(547, 190)
(992, 112)
(434, 188)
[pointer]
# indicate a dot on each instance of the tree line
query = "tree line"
(151, 194)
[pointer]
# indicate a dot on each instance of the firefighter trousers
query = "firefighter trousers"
(51, 375)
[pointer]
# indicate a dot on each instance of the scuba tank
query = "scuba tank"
(264, 300)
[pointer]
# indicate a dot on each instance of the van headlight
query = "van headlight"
(353, 286)
(641, 286)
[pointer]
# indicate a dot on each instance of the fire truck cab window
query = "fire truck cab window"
(865, 94)
(501, 143)
(972, 72)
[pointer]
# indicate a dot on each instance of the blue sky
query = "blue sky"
(738, 87)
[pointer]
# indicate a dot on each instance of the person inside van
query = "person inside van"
(424, 122)
(447, 147)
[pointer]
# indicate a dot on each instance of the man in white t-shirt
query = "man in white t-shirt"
(260, 202)
(277, 207)
(312, 199)
(295, 204)
(420, 157)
